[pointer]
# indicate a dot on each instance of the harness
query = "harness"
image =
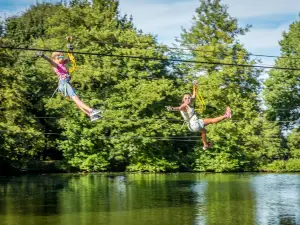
(71, 70)
(64, 84)
(191, 119)
(187, 120)
(70, 55)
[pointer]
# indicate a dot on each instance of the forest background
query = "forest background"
(132, 78)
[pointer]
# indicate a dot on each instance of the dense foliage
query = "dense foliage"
(136, 133)
(282, 96)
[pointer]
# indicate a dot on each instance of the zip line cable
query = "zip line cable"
(169, 119)
(270, 138)
(86, 69)
(200, 50)
(154, 58)
(174, 48)
(179, 120)
(175, 138)
(83, 68)
(187, 49)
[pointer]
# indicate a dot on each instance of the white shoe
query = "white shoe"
(208, 146)
(95, 112)
(95, 117)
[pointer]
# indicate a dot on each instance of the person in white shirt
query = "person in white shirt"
(194, 123)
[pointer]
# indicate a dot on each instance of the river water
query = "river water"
(150, 199)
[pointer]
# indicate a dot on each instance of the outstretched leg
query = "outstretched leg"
(227, 115)
(83, 110)
(206, 145)
(203, 136)
(80, 104)
(66, 88)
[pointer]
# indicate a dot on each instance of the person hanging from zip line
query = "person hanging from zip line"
(194, 123)
(58, 63)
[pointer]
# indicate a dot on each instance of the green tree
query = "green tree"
(282, 92)
(239, 143)
(20, 133)
(133, 92)
(136, 133)
(124, 87)
(293, 142)
(21, 30)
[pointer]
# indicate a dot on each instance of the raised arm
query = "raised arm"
(41, 54)
(67, 61)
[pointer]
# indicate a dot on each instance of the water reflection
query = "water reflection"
(225, 199)
(278, 200)
(164, 199)
(201, 200)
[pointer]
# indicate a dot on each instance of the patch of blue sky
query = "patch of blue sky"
(17, 7)
(270, 21)
(13, 5)
(268, 52)
(160, 1)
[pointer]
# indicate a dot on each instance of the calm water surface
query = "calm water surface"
(162, 199)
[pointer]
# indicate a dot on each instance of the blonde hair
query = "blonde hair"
(55, 54)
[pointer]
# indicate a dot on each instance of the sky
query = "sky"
(166, 18)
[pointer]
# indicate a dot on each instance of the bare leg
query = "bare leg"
(203, 136)
(213, 120)
(208, 121)
(87, 110)
(227, 115)
(83, 110)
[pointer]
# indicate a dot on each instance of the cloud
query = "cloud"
(24, 2)
(166, 19)
(255, 8)
(264, 38)
(8, 13)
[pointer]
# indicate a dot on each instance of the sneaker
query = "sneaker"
(228, 113)
(208, 146)
(95, 112)
(95, 117)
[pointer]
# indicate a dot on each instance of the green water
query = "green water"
(162, 199)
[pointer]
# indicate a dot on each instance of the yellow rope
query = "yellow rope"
(71, 57)
(201, 106)
(73, 62)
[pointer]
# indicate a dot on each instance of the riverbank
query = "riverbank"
(59, 166)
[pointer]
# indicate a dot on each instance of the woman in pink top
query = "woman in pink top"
(58, 62)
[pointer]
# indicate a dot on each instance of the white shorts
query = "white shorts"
(196, 125)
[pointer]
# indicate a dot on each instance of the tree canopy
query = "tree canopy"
(137, 133)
